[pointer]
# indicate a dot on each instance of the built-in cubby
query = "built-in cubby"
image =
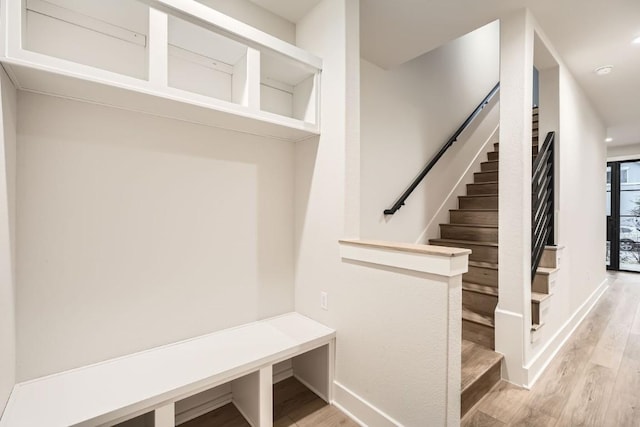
(88, 33)
(287, 89)
(206, 63)
(273, 391)
(144, 420)
(204, 66)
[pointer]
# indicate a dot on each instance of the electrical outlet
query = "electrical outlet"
(324, 300)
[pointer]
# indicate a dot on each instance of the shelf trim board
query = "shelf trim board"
(31, 75)
(204, 16)
(16, 25)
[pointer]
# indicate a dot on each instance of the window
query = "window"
(624, 175)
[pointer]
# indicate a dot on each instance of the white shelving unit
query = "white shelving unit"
(173, 58)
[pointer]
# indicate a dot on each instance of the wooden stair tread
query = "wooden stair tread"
(466, 242)
(453, 224)
(546, 270)
(476, 361)
(480, 289)
(478, 195)
(538, 297)
(536, 326)
(481, 319)
(485, 182)
(474, 210)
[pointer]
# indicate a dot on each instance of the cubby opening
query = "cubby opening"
(305, 389)
(236, 400)
(206, 63)
(90, 32)
(300, 386)
(287, 88)
(144, 420)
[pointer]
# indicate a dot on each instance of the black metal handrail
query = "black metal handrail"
(400, 202)
(542, 210)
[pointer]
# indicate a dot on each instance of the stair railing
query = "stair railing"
(400, 202)
(542, 199)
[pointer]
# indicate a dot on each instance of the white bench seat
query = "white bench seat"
(120, 388)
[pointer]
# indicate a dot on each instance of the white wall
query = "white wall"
(580, 217)
(391, 344)
(623, 152)
(7, 234)
(136, 231)
(408, 113)
(580, 224)
(582, 166)
(579, 209)
(581, 182)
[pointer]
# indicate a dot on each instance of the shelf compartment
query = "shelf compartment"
(89, 35)
(288, 89)
(206, 63)
(239, 398)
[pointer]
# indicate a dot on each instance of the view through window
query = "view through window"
(623, 212)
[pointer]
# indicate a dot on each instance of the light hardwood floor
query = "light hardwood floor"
(294, 406)
(593, 381)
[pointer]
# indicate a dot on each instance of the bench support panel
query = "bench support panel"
(314, 369)
(253, 396)
(165, 416)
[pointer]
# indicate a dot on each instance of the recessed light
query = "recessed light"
(603, 71)
(636, 40)
(609, 139)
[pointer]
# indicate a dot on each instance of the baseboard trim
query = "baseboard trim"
(539, 363)
(359, 410)
(200, 410)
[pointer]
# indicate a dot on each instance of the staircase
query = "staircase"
(474, 225)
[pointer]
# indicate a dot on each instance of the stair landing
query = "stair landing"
(480, 372)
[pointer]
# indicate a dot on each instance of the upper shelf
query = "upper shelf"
(178, 59)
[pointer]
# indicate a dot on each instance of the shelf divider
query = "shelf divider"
(158, 49)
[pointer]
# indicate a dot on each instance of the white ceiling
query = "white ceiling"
(291, 10)
(586, 33)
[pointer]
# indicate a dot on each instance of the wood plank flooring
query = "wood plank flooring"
(294, 405)
(593, 381)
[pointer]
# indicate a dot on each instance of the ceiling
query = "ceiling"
(291, 10)
(586, 34)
